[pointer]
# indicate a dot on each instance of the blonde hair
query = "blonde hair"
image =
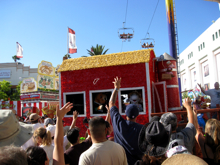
(44, 134)
(212, 138)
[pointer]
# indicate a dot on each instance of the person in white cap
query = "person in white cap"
(13, 132)
(36, 122)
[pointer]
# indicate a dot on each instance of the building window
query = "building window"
(98, 100)
(188, 56)
(192, 54)
(219, 32)
(132, 96)
(203, 44)
(78, 100)
(216, 35)
(199, 48)
(213, 37)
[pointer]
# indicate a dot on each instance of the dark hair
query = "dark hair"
(36, 155)
(97, 126)
(34, 121)
(73, 135)
(12, 155)
(21, 118)
(152, 160)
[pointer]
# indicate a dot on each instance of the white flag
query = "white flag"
(19, 51)
(72, 41)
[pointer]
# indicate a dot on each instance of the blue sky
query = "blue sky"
(40, 26)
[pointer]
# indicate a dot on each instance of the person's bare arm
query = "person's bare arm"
(187, 105)
(202, 89)
(75, 115)
(108, 117)
(117, 85)
(58, 153)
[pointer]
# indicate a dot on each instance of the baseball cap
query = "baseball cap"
(131, 111)
(169, 118)
(52, 129)
(48, 121)
(34, 116)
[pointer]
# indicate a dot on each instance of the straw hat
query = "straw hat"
(184, 159)
(12, 131)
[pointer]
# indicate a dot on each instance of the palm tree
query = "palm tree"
(98, 50)
(15, 58)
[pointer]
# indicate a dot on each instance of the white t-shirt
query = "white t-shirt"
(107, 153)
(215, 96)
(31, 142)
(49, 152)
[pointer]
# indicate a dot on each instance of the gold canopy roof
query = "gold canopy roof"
(98, 61)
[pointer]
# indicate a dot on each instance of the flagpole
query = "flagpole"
(67, 39)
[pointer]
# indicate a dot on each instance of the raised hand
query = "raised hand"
(75, 114)
(66, 108)
(187, 102)
(117, 82)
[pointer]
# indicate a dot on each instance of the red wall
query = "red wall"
(133, 75)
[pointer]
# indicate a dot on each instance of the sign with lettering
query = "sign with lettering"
(30, 96)
(50, 97)
(5, 73)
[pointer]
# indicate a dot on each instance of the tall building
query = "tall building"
(200, 61)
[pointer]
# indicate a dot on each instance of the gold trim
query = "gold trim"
(123, 58)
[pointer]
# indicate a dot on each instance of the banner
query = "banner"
(19, 51)
(30, 96)
(28, 85)
(72, 41)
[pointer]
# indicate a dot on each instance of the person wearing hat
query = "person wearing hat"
(48, 121)
(186, 137)
(126, 132)
(13, 132)
(35, 120)
(153, 142)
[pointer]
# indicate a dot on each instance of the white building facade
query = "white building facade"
(200, 61)
(16, 72)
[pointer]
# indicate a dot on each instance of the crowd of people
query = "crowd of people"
(45, 141)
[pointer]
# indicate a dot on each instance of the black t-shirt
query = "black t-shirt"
(126, 134)
(72, 155)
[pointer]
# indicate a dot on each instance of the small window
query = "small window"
(199, 48)
(203, 44)
(78, 100)
(213, 37)
(188, 56)
(219, 32)
(216, 35)
(98, 100)
(192, 54)
(132, 96)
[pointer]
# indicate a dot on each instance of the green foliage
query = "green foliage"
(98, 50)
(15, 96)
(5, 91)
(15, 58)
(67, 55)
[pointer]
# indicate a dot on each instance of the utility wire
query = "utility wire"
(124, 23)
(152, 19)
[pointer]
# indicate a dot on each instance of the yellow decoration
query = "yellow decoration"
(123, 58)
